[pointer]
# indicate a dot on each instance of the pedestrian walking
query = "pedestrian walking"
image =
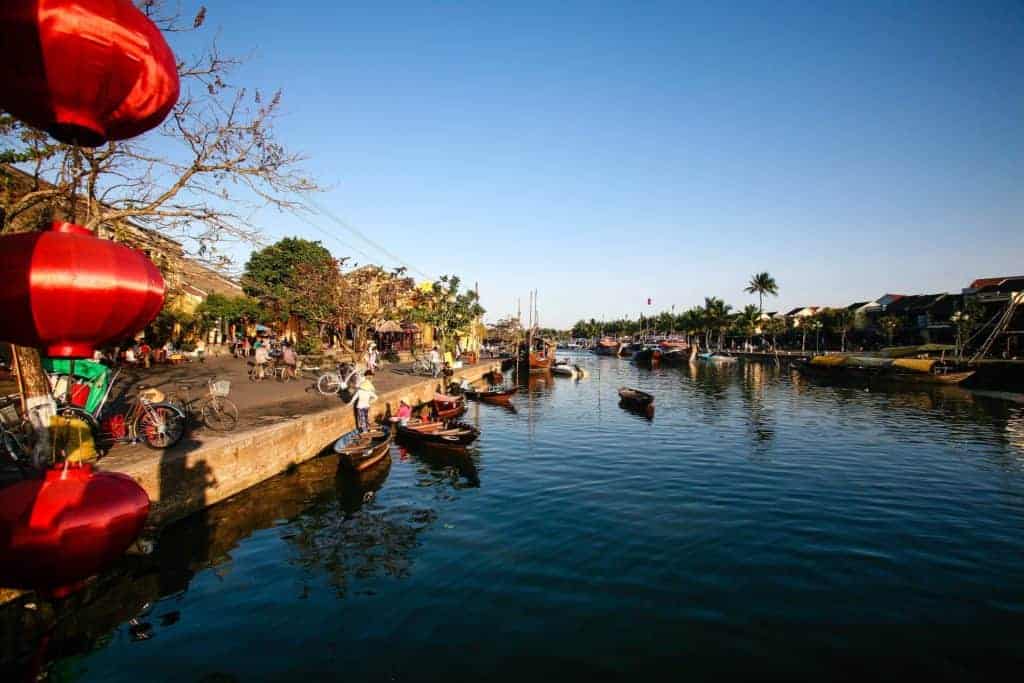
(260, 357)
(435, 360)
(289, 360)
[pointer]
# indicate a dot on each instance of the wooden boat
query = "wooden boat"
(647, 355)
(447, 434)
(629, 350)
(492, 395)
(903, 371)
(363, 451)
(674, 357)
(607, 347)
(447, 406)
(635, 397)
(716, 358)
(563, 369)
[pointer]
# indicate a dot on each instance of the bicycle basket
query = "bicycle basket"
(9, 415)
(221, 387)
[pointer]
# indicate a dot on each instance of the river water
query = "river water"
(758, 524)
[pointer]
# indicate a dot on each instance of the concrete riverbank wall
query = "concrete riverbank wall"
(193, 476)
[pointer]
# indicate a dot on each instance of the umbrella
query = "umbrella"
(389, 326)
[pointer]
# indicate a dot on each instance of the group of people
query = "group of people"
(142, 354)
(263, 354)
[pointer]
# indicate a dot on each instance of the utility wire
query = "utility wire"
(358, 233)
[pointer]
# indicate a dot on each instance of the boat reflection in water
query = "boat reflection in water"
(328, 518)
(457, 468)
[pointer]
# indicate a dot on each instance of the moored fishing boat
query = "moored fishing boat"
(447, 406)
(635, 397)
(902, 370)
(492, 395)
(716, 358)
(648, 355)
(607, 347)
(363, 451)
(443, 434)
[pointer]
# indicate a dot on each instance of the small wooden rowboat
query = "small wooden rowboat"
(438, 434)
(364, 451)
(447, 406)
(635, 398)
(492, 395)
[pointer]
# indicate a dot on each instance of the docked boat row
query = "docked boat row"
(903, 370)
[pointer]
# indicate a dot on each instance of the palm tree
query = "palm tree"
(716, 317)
(761, 284)
(746, 321)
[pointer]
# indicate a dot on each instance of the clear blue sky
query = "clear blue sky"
(603, 153)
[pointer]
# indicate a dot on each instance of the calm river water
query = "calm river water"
(758, 523)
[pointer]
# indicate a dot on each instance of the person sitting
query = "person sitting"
(404, 412)
(260, 358)
(289, 360)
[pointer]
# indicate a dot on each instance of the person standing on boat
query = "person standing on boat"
(364, 397)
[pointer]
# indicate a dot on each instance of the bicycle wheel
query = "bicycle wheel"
(328, 384)
(160, 426)
(220, 414)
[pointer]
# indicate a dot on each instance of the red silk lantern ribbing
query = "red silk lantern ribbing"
(67, 526)
(69, 292)
(86, 71)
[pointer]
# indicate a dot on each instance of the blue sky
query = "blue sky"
(603, 153)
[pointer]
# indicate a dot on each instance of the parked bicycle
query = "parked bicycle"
(149, 418)
(345, 375)
(15, 440)
(215, 409)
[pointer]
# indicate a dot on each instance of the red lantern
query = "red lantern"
(68, 526)
(68, 291)
(86, 71)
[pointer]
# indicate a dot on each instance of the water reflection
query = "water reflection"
(455, 468)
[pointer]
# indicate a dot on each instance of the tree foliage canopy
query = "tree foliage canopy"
(446, 309)
(295, 276)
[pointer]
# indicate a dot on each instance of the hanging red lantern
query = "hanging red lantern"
(69, 292)
(64, 528)
(85, 71)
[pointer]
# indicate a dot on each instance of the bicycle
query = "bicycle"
(258, 372)
(423, 366)
(346, 375)
(149, 418)
(15, 438)
(217, 411)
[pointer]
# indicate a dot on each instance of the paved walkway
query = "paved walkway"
(259, 403)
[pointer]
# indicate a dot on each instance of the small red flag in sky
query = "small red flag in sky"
(648, 301)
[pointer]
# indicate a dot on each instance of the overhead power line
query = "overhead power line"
(359, 233)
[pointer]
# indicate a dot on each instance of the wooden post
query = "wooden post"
(37, 400)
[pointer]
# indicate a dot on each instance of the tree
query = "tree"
(296, 277)
(218, 309)
(447, 310)
(716, 318)
(761, 284)
(665, 322)
(220, 159)
(692, 322)
(815, 323)
(775, 326)
(966, 319)
(746, 321)
(890, 324)
(840, 321)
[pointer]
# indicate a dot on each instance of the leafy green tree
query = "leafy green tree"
(227, 310)
(761, 284)
(447, 310)
(775, 327)
(966, 319)
(839, 321)
(295, 276)
(717, 317)
(746, 321)
(890, 324)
